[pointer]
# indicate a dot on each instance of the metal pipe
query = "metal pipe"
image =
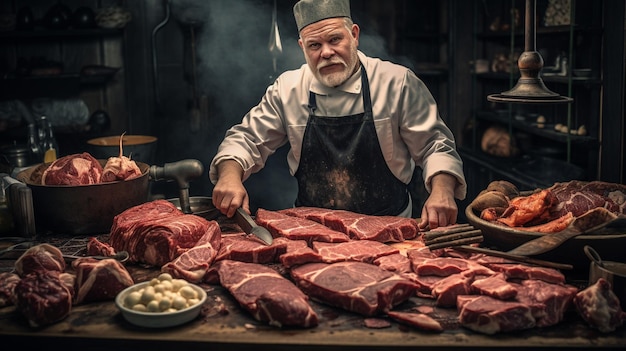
(155, 66)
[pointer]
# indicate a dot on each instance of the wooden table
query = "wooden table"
(223, 325)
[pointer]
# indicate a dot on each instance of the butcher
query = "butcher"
(357, 127)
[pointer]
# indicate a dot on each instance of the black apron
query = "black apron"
(342, 165)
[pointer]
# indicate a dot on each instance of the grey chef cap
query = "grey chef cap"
(311, 11)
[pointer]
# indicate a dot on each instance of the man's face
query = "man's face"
(330, 50)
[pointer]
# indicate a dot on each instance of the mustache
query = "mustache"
(331, 62)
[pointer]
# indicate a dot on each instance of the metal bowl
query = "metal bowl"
(159, 319)
(609, 242)
(138, 147)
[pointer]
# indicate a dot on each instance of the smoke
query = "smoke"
(235, 67)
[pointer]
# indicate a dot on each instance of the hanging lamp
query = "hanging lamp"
(530, 88)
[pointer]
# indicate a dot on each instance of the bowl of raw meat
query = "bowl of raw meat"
(608, 241)
(161, 302)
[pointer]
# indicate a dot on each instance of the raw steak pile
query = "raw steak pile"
(369, 266)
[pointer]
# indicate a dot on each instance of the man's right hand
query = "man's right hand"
(229, 193)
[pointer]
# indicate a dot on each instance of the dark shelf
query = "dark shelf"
(61, 34)
(53, 86)
(532, 128)
(526, 172)
(554, 30)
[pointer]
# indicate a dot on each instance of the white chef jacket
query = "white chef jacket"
(409, 128)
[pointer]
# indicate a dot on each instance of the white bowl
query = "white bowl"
(159, 319)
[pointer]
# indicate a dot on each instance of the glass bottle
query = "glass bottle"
(49, 144)
(34, 145)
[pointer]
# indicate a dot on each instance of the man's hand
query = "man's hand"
(440, 209)
(229, 193)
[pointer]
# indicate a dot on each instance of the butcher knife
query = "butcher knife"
(250, 227)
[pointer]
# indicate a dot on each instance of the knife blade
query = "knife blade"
(249, 226)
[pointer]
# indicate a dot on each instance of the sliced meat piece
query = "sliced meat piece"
(359, 226)
(43, 298)
(298, 252)
(40, 258)
(524, 209)
(295, 228)
(99, 280)
(446, 290)
(487, 315)
(394, 263)
(96, 247)
(75, 169)
(376, 323)
(495, 286)
(354, 250)
(313, 213)
(523, 272)
(599, 306)
(246, 248)
(267, 295)
(193, 264)
(8, 281)
(418, 320)
(359, 287)
(445, 266)
(548, 301)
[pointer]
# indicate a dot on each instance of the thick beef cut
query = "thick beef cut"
(99, 280)
(43, 298)
(40, 258)
(156, 232)
(247, 248)
(193, 264)
(124, 224)
(599, 306)
(359, 226)
(548, 301)
(354, 250)
(487, 315)
(75, 169)
(296, 228)
(359, 287)
(579, 197)
(266, 294)
(8, 281)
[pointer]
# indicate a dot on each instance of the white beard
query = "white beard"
(337, 78)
